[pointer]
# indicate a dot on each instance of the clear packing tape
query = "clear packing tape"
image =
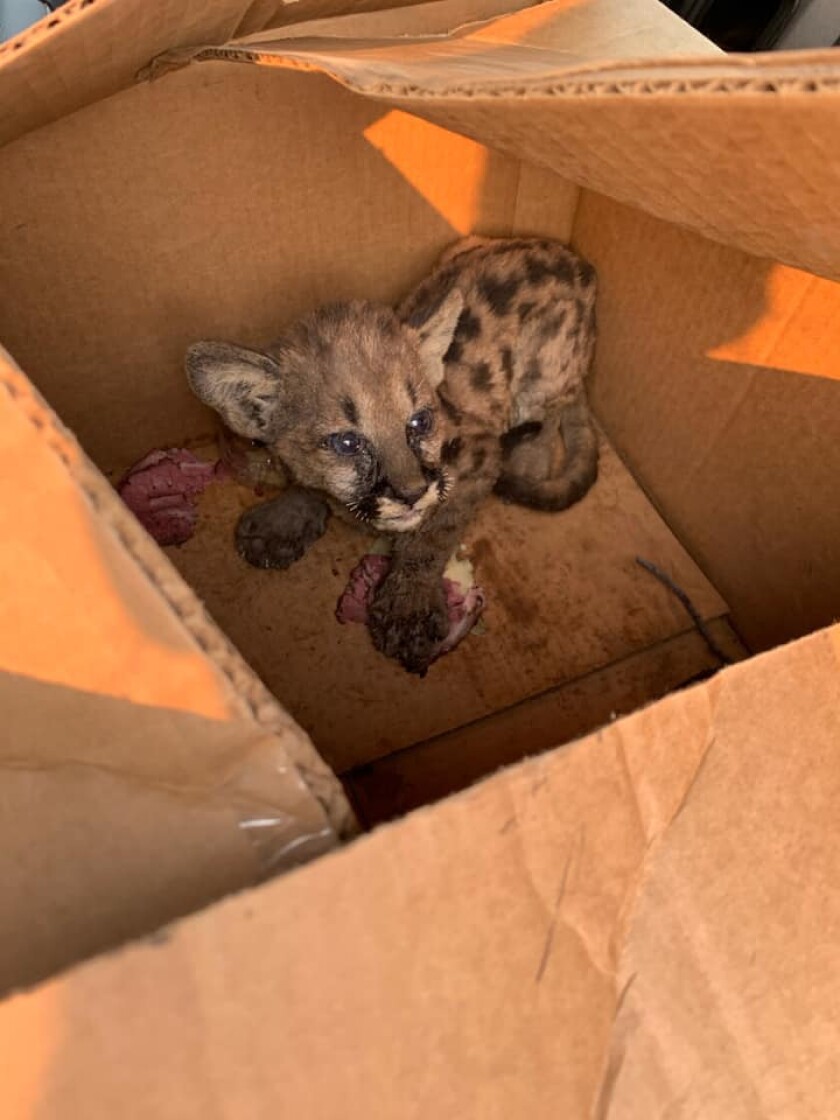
(282, 836)
(255, 788)
(94, 856)
(619, 97)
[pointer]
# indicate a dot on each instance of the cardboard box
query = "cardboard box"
(639, 925)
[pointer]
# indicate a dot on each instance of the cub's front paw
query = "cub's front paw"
(278, 532)
(408, 624)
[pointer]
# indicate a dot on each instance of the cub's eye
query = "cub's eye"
(345, 443)
(422, 422)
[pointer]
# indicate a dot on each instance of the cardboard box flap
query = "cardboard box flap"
(624, 99)
(432, 18)
(90, 49)
(642, 925)
(145, 770)
(536, 45)
(730, 958)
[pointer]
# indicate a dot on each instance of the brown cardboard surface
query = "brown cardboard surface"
(642, 925)
(392, 786)
(52, 60)
(718, 376)
(187, 222)
(606, 93)
(145, 770)
(545, 204)
(564, 597)
(731, 1009)
(437, 17)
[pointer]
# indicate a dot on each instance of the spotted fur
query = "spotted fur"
(406, 419)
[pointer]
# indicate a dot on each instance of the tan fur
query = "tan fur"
(494, 345)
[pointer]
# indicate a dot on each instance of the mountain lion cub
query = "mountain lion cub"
(407, 419)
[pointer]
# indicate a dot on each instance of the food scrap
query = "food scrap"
(464, 600)
(162, 491)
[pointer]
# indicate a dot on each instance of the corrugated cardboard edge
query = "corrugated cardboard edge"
(246, 695)
(806, 71)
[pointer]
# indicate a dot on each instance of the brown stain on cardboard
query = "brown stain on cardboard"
(501, 584)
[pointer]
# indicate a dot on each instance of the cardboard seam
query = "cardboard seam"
(621, 754)
(556, 919)
(614, 1058)
(726, 423)
(572, 242)
(246, 692)
(616, 1046)
(744, 650)
(517, 197)
(180, 791)
(793, 307)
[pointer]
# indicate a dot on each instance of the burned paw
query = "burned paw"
(263, 551)
(409, 628)
(277, 533)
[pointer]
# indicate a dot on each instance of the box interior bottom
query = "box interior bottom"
(574, 633)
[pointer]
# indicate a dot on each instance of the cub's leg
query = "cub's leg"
(276, 533)
(409, 616)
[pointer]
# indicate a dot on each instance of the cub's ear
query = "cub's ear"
(243, 386)
(435, 331)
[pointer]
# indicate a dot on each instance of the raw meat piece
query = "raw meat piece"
(358, 595)
(464, 600)
(162, 491)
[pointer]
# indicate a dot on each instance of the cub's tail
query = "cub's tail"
(580, 468)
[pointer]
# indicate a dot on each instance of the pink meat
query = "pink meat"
(358, 595)
(464, 605)
(162, 491)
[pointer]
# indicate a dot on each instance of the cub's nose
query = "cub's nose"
(411, 497)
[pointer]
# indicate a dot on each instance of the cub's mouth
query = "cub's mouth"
(397, 517)
(390, 515)
(400, 522)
